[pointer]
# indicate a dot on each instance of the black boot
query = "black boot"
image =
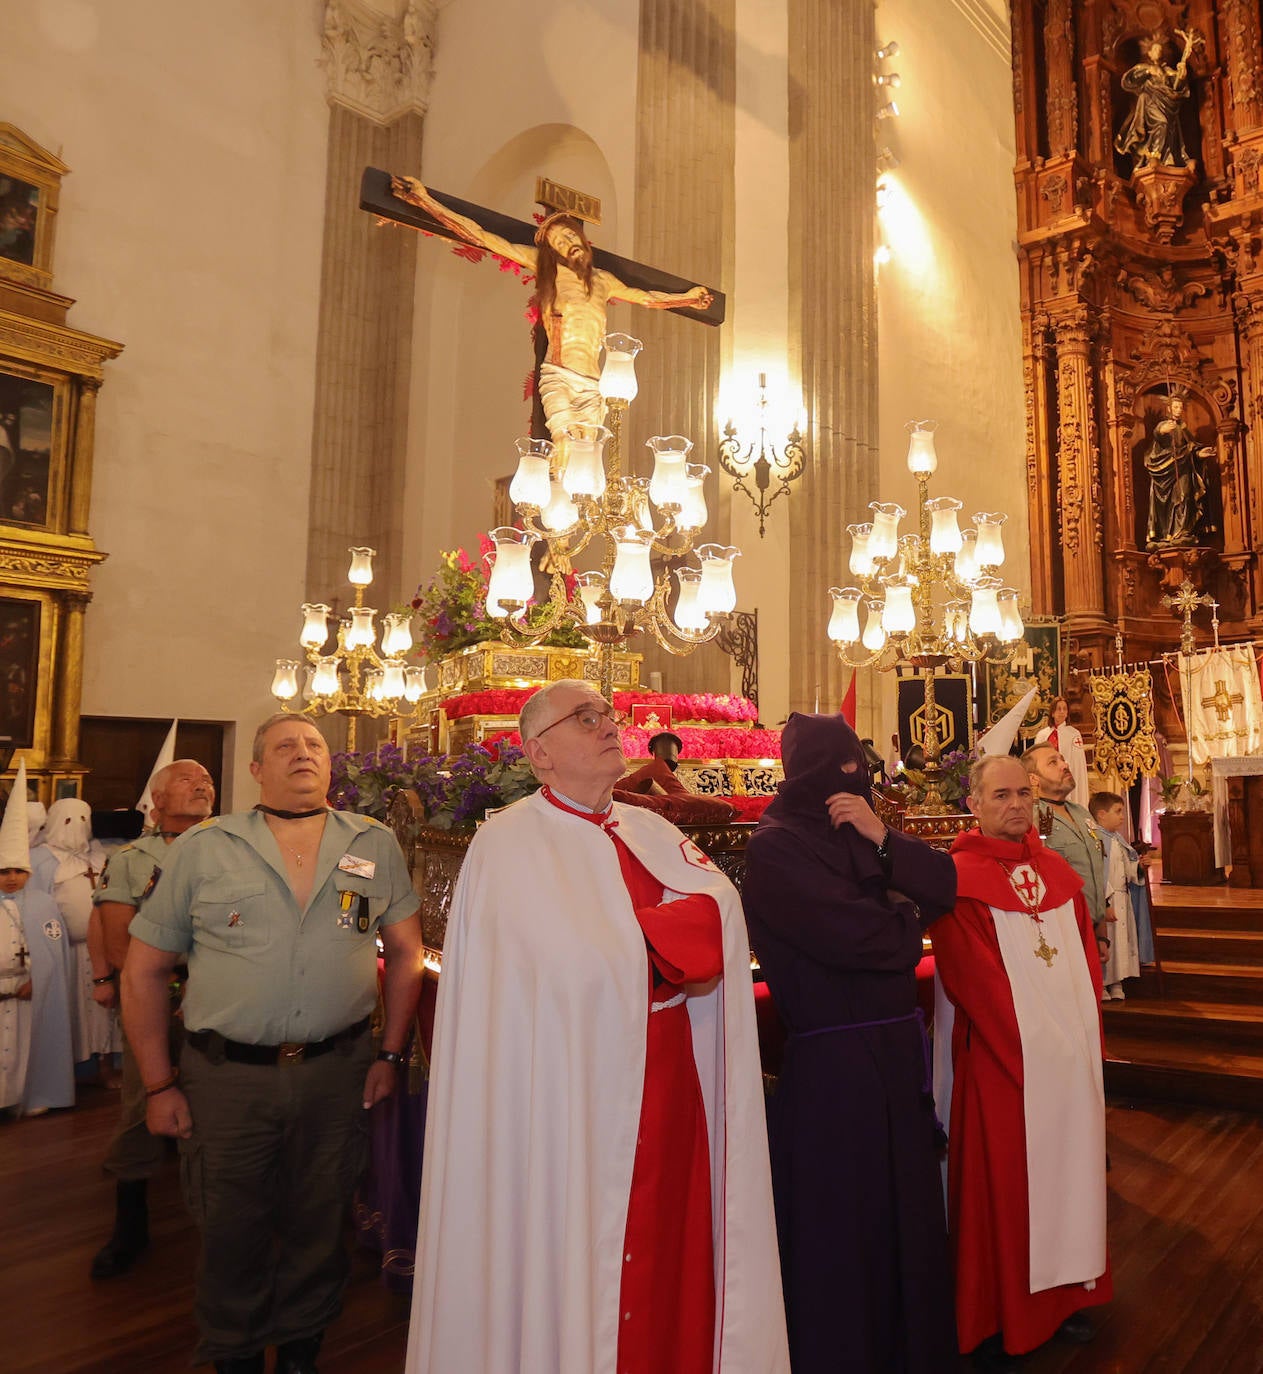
(131, 1230)
(299, 1357)
(241, 1364)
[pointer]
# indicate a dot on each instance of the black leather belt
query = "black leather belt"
(217, 1048)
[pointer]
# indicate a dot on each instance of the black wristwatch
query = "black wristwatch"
(390, 1056)
(883, 849)
(109, 978)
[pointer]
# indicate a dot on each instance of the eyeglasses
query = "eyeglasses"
(590, 717)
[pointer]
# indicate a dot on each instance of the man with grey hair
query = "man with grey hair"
(278, 911)
(183, 795)
(595, 1192)
(1026, 1143)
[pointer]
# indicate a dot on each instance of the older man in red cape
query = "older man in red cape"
(1026, 1159)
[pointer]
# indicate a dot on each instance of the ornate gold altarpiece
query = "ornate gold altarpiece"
(49, 378)
(1139, 278)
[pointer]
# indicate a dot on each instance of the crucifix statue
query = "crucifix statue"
(573, 282)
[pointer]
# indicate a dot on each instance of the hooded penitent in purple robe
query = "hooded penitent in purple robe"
(859, 1200)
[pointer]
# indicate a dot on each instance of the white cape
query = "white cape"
(534, 1107)
(1058, 1020)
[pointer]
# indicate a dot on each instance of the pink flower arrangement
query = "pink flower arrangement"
(706, 707)
(700, 743)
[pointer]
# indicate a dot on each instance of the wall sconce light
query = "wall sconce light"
(887, 51)
(888, 111)
(786, 466)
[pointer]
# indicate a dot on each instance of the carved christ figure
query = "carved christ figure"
(1151, 133)
(572, 298)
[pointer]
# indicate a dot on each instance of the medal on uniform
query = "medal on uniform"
(234, 918)
(344, 914)
(362, 918)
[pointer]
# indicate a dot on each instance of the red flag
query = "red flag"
(848, 702)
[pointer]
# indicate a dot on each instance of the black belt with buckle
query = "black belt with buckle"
(217, 1047)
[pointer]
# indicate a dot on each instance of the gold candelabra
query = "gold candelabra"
(577, 498)
(933, 598)
(355, 679)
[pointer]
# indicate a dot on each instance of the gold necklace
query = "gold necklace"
(1028, 893)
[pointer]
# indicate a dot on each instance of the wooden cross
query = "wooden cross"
(377, 198)
(1186, 600)
(1222, 702)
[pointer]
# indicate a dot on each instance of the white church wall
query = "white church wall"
(519, 90)
(190, 230)
(950, 340)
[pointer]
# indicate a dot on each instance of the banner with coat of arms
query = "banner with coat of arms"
(1123, 705)
(1223, 712)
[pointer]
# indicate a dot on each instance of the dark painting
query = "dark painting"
(26, 441)
(19, 209)
(1037, 664)
(19, 669)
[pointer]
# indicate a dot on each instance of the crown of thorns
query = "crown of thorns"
(549, 220)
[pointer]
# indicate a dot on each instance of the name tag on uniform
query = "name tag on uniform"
(357, 867)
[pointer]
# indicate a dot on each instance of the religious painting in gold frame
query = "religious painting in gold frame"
(33, 455)
(30, 184)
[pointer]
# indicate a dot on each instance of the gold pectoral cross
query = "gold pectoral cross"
(1045, 951)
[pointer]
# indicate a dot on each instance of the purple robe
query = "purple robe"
(859, 1199)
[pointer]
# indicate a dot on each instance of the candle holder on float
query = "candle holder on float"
(355, 679)
(581, 501)
(931, 599)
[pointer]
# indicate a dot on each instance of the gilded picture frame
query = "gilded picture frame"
(30, 187)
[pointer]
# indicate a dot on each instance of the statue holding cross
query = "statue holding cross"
(573, 292)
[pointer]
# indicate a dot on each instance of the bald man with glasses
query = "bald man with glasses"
(596, 1196)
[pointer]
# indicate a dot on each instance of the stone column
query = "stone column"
(1039, 477)
(379, 72)
(1079, 504)
(833, 312)
(684, 196)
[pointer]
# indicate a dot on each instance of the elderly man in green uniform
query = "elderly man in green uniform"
(1068, 828)
(278, 911)
(183, 795)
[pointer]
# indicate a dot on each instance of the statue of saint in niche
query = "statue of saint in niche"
(1177, 487)
(1151, 132)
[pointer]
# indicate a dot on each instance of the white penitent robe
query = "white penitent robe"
(1120, 873)
(535, 1094)
(36, 1068)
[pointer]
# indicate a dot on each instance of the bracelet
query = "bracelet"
(109, 978)
(883, 849)
(166, 1083)
(390, 1056)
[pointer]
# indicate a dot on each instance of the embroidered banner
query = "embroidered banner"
(1223, 712)
(1123, 706)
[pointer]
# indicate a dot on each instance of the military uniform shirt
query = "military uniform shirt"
(260, 970)
(1083, 849)
(131, 872)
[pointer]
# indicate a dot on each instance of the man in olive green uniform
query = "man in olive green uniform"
(183, 795)
(1068, 828)
(278, 911)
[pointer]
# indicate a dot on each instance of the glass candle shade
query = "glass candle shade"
(990, 540)
(396, 634)
(899, 617)
(510, 578)
(324, 679)
(560, 512)
(1011, 627)
(618, 372)
(285, 679)
(315, 626)
(585, 460)
(360, 573)
(956, 621)
(637, 506)
(909, 557)
(373, 684)
(693, 511)
(670, 456)
(967, 556)
(689, 615)
(861, 555)
(922, 460)
(591, 588)
(984, 611)
(718, 594)
(874, 636)
(632, 577)
(361, 633)
(413, 684)
(844, 619)
(944, 527)
(884, 540)
(531, 485)
(392, 679)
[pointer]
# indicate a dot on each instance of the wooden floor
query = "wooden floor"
(1186, 1234)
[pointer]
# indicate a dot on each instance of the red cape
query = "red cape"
(983, 864)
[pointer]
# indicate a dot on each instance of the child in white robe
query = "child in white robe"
(1108, 811)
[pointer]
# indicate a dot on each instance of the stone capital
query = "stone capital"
(379, 57)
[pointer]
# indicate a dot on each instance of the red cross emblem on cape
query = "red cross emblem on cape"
(1028, 885)
(694, 856)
